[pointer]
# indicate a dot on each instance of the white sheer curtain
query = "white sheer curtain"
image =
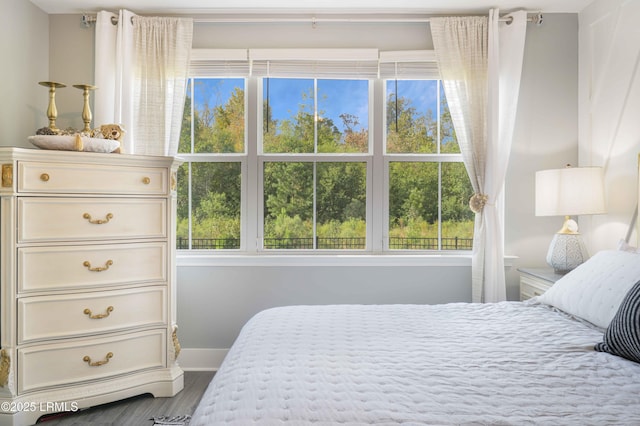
(141, 74)
(114, 65)
(163, 48)
(480, 62)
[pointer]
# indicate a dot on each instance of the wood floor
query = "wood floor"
(139, 411)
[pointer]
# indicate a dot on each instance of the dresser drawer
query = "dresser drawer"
(74, 267)
(75, 219)
(91, 179)
(63, 364)
(53, 317)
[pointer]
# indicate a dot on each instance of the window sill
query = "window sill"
(186, 259)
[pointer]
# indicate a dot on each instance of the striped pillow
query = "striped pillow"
(622, 337)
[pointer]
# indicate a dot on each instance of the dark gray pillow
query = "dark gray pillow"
(622, 336)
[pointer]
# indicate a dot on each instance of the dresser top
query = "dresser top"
(11, 154)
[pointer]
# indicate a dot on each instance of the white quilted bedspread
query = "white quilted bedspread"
(509, 363)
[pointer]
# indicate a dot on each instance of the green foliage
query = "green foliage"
(353, 140)
(447, 131)
(283, 225)
(288, 187)
(456, 192)
(413, 192)
(215, 199)
(340, 191)
(408, 131)
(351, 228)
(419, 228)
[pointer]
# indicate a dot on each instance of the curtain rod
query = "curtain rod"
(87, 20)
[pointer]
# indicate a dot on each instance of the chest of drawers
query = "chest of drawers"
(87, 280)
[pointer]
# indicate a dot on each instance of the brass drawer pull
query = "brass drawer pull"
(107, 218)
(44, 177)
(87, 265)
(87, 311)
(87, 359)
(146, 180)
(7, 175)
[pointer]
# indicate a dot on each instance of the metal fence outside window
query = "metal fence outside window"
(455, 243)
(327, 243)
(208, 243)
(321, 243)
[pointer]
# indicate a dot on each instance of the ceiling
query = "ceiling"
(193, 7)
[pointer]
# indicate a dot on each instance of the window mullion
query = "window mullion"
(377, 185)
(192, 132)
(190, 205)
(438, 112)
(315, 205)
(189, 174)
(439, 146)
(315, 165)
(439, 205)
(315, 115)
(252, 226)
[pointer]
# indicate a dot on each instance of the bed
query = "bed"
(509, 363)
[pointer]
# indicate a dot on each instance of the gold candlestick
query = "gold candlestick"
(86, 110)
(52, 112)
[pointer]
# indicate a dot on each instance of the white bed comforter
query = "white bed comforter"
(458, 364)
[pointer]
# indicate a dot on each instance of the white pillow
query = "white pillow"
(624, 246)
(594, 290)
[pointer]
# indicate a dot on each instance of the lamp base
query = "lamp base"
(566, 252)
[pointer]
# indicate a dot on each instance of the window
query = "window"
(294, 158)
(210, 180)
(428, 184)
(314, 187)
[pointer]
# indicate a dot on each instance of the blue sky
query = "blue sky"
(335, 96)
(423, 93)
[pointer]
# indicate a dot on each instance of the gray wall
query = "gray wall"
(609, 105)
(545, 136)
(219, 300)
(214, 301)
(71, 62)
(24, 49)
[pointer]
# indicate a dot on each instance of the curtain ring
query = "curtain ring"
(477, 202)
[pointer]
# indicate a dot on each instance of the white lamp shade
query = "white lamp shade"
(570, 191)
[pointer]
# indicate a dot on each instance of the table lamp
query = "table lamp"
(569, 192)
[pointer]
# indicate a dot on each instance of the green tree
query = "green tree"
(449, 142)
(407, 130)
(413, 192)
(341, 191)
(354, 140)
(288, 187)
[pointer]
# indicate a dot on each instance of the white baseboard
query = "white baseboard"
(201, 359)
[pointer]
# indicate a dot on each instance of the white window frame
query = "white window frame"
(437, 157)
(315, 158)
(220, 63)
(233, 63)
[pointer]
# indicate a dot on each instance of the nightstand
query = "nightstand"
(535, 281)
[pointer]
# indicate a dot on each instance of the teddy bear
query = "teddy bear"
(114, 132)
